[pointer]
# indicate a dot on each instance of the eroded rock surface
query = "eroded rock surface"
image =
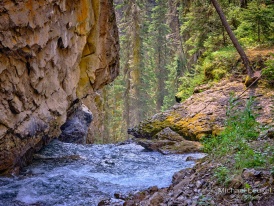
(205, 113)
(51, 53)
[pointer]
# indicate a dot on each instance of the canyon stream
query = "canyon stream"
(73, 175)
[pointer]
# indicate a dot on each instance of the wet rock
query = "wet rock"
(111, 202)
(75, 129)
(153, 189)
(128, 141)
(155, 200)
(169, 142)
(190, 158)
(119, 196)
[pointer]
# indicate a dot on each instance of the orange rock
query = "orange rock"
(52, 52)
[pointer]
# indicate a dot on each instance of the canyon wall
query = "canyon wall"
(52, 53)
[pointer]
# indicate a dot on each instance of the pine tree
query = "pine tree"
(233, 38)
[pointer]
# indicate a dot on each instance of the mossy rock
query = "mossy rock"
(204, 114)
(169, 142)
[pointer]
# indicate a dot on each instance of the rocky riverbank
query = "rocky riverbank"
(201, 115)
(200, 186)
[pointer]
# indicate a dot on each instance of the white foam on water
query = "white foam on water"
(104, 170)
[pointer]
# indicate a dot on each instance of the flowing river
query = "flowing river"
(74, 175)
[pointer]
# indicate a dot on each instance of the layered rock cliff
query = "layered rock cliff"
(51, 54)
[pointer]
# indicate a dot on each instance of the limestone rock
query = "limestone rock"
(167, 142)
(51, 53)
(204, 113)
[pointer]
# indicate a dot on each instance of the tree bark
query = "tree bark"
(135, 64)
(233, 38)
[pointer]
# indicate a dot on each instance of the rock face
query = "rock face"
(204, 113)
(51, 53)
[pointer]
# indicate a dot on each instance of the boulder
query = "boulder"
(75, 129)
(167, 142)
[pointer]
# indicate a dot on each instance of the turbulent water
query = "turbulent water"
(69, 174)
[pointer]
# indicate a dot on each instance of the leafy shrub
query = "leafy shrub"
(188, 82)
(221, 174)
(248, 159)
(268, 72)
(218, 64)
(241, 126)
(233, 146)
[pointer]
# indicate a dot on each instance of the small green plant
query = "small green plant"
(221, 174)
(247, 186)
(249, 158)
(268, 72)
(241, 127)
(188, 82)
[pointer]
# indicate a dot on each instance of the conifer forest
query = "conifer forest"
(168, 47)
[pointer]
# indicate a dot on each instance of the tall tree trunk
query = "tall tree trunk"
(160, 81)
(233, 38)
(126, 78)
(136, 63)
(259, 31)
(106, 113)
(174, 24)
(243, 3)
(126, 95)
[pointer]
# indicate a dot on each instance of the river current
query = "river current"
(74, 175)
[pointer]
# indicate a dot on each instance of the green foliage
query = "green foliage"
(233, 146)
(248, 158)
(241, 127)
(218, 64)
(203, 27)
(188, 82)
(150, 61)
(171, 84)
(268, 72)
(257, 23)
(221, 174)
